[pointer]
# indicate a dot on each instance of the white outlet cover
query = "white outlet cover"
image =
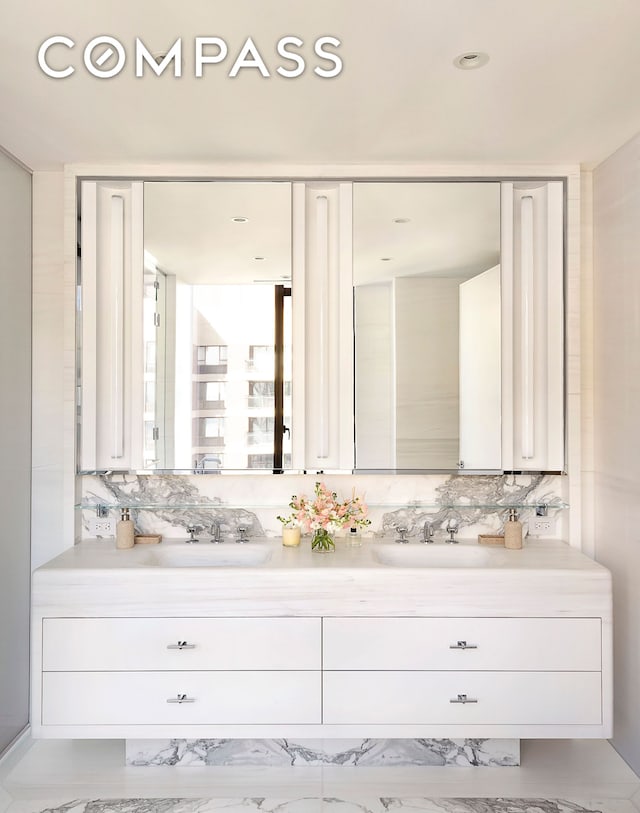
(101, 526)
(542, 526)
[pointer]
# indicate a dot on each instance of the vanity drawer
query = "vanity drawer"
(503, 698)
(439, 643)
(104, 644)
(140, 698)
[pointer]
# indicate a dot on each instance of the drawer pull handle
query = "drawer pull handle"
(181, 698)
(462, 698)
(181, 645)
(463, 645)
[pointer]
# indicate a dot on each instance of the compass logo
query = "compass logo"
(105, 57)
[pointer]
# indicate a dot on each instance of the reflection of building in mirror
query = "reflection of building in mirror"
(216, 386)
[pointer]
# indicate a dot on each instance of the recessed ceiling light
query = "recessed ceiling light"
(471, 60)
(402, 220)
(239, 219)
(386, 259)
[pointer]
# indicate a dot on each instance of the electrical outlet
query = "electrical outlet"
(542, 526)
(101, 526)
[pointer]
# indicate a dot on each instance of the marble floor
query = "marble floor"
(556, 776)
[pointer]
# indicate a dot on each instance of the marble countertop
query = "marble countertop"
(545, 578)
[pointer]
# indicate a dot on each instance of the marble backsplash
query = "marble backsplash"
(171, 503)
(367, 753)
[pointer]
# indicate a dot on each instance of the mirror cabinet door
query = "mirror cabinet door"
(427, 305)
(110, 402)
(205, 332)
(458, 293)
(323, 327)
(533, 428)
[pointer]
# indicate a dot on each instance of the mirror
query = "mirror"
(426, 274)
(459, 356)
(217, 326)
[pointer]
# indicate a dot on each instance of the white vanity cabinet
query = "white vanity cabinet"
(325, 676)
(322, 646)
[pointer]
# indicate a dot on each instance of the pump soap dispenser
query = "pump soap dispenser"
(124, 531)
(513, 531)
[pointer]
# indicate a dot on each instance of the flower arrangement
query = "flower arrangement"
(324, 515)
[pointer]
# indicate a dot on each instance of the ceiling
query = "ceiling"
(453, 230)
(561, 84)
(448, 230)
(189, 229)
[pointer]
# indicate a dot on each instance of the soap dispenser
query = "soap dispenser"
(124, 531)
(513, 531)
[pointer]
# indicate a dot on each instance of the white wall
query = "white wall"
(15, 445)
(50, 384)
(375, 394)
(616, 304)
(427, 383)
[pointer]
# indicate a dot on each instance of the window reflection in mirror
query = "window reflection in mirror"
(216, 284)
(427, 325)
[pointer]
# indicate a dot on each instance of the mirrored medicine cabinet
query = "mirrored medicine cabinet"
(274, 326)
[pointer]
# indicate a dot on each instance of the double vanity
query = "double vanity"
(351, 326)
(260, 640)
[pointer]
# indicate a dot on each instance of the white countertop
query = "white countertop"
(545, 578)
(538, 554)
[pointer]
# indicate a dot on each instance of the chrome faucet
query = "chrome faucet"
(427, 533)
(216, 536)
(452, 530)
(242, 535)
(192, 536)
(402, 535)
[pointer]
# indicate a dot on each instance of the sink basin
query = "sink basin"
(208, 555)
(432, 556)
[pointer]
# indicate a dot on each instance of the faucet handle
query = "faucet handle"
(402, 535)
(242, 534)
(192, 535)
(452, 530)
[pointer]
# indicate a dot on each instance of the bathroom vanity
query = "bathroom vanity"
(259, 640)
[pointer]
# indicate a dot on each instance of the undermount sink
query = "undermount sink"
(208, 555)
(413, 555)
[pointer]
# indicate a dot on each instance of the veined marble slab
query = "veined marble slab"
(367, 753)
(335, 805)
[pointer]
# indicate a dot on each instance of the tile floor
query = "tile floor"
(89, 776)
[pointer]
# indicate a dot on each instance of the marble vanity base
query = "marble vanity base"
(365, 753)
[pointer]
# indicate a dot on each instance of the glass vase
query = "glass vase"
(322, 541)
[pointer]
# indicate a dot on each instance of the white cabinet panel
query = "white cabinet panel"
(111, 330)
(426, 643)
(103, 644)
(322, 291)
(139, 698)
(503, 698)
(532, 263)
